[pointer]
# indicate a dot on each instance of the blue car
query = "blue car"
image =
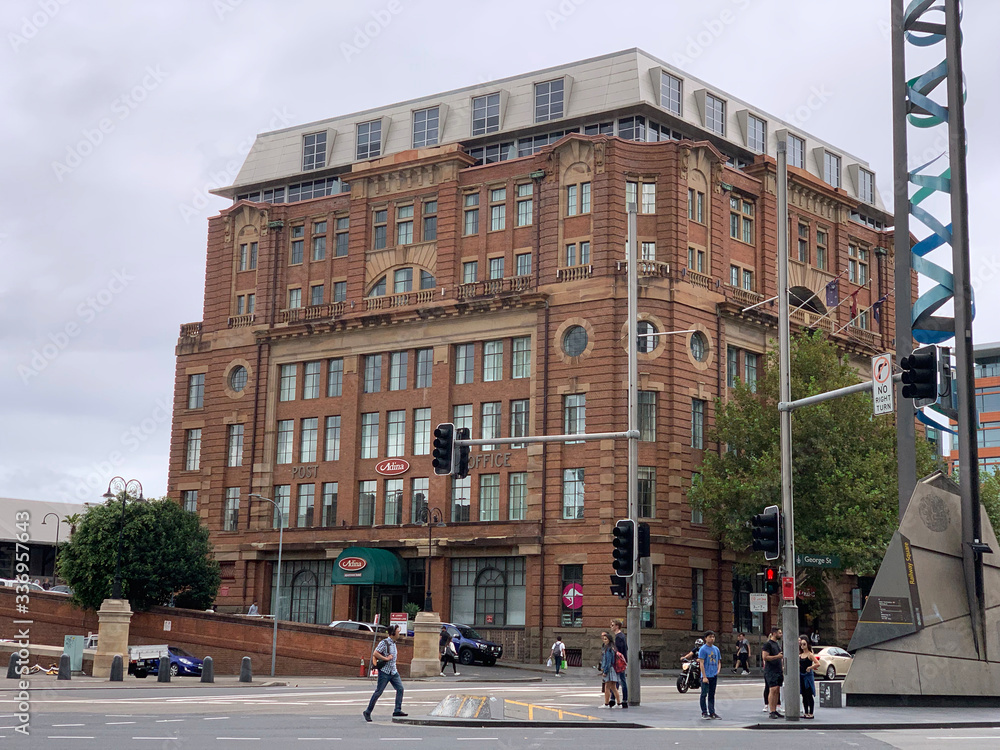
(181, 664)
(472, 647)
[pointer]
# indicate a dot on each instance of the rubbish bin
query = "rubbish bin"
(830, 695)
(73, 647)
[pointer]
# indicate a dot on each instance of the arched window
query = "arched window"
(491, 597)
(305, 589)
(645, 341)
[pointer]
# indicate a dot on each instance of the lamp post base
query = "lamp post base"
(426, 632)
(114, 617)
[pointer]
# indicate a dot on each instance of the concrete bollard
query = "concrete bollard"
(117, 669)
(207, 669)
(64, 669)
(246, 672)
(13, 671)
(163, 671)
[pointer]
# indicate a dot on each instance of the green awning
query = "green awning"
(369, 565)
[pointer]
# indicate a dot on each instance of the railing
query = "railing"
(241, 321)
(744, 297)
(811, 320)
(312, 312)
(573, 273)
(421, 297)
(863, 335)
(191, 330)
(493, 286)
(698, 279)
(647, 268)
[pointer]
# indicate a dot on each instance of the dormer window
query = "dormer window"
(314, 151)
(549, 100)
(369, 139)
(486, 114)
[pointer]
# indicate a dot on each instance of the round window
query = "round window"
(645, 341)
(238, 378)
(699, 346)
(574, 341)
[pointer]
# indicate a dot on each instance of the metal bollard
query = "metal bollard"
(64, 670)
(117, 669)
(13, 671)
(246, 672)
(163, 671)
(207, 669)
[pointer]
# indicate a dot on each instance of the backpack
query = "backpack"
(620, 664)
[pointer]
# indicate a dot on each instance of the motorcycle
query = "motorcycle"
(690, 676)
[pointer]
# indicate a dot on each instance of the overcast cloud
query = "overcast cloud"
(117, 117)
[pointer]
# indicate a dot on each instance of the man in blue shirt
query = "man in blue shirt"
(385, 656)
(709, 659)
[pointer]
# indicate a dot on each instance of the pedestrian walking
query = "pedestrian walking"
(741, 658)
(710, 661)
(446, 649)
(621, 646)
(772, 655)
(384, 656)
(807, 677)
(609, 677)
(253, 611)
(558, 654)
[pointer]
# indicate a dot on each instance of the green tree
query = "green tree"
(843, 458)
(165, 554)
(989, 495)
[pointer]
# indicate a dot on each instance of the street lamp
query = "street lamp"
(277, 588)
(55, 577)
(123, 487)
(430, 516)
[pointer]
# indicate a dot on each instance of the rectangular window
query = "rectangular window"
(852, 264)
(521, 357)
(866, 186)
(750, 370)
(373, 373)
(192, 453)
(796, 152)
(490, 422)
(571, 200)
(307, 444)
(485, 114)
(519, 420)
(316, 292)
(418, 500)
(396, 442)
(295, 253)
(517, 494)
(498, 209)
(331, 442)
(398, 362)
(196, 391)
(492, 361)
(339, 291)
(231, 512)
(732, 366)
(342, 236)
(647, 492)
(549, 100)
(647, 251)
(294, 299)
(283, 499)
(696, 259)
(319, 240)
(425, 127)
(366, 502)
(522, 264)
(574, 415)
(421, 431)
(489, 497)
(313, 151)
(369, 434)
(715, 114)
(462, 416)
(286, 436)
(310, 381)
(632, 129)
(584, 197)
(335, 378)
(831, 169)
(404, 225)
(525, 204)
(803, 243)
(471, 225)
(821, 242)
(584, 253)
(330, 503)
(189, 498)
(697, 599)
(670, 93)
(461, 492)
(756, 134)
(465, 361)
(647, 416)
(631, 194)
(380, 221)
(235, 445)
(430, 231)
(307, 500)
(402, 280)
(571, 254)
(648, 198)
(496, 268)
(393, 502)
(572, 493)
(862, 266)
(369, 139)
(470, 271)
(734, 276)
(697, 423)
(425, 365)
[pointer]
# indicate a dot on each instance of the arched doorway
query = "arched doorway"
(305, 594)
(491, 597)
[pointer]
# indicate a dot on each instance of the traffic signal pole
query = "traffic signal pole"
(789, 609)
(633, 611)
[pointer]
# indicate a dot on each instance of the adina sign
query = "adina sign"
(392, 466)
(352, 564)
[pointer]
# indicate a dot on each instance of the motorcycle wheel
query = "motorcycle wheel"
(682, 684)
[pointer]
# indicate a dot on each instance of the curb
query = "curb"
(792, 725)
(154, 685)
(436, 722)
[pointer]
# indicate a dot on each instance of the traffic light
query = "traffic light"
(643, 540)
(619, 586)
(920, 374)
(445, 459)
(767, 533)
(624, 542)
(462, 463)
(772, 581)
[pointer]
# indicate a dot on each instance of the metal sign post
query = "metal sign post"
(633, 611)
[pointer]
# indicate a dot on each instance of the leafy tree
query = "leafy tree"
(165, 554)
(989, 495)
(843, 459)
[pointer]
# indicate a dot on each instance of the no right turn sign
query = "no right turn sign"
(882, 384)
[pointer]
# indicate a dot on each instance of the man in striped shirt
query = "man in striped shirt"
(385, 656)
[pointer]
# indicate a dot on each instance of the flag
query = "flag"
(854, 304)
(832, 294)
(876, 309)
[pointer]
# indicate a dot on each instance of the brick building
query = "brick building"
(987, 374)
(461, 258)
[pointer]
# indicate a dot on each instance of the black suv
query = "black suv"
(472, 647)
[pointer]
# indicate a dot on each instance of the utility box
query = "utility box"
(73, 647)
(830, 694)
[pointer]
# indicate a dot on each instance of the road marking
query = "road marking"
(474, 739)
(159, 739)
(320, 739)
(214, 718)
(68, 737)
(401, 739)
(113, 723)
(236, 738)
(117, 716)
(167, 721)
(68, 725)
(985, 737)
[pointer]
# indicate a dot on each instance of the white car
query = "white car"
(355, 625)
(11, 583)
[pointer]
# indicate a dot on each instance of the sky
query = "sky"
(117, 118)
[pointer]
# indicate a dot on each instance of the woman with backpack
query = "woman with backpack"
(609, 676)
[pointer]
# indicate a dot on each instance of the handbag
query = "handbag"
(549, 662)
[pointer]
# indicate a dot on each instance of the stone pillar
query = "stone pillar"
(114, 617)
(426, 632)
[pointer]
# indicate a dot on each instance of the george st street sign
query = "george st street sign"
(805, 560)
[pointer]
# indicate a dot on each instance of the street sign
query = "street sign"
(806, 560)
(882, 384)
(787, 588)
(758, 602)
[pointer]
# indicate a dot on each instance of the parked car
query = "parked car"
(472, 647)
(12, 583)
(145, 660)
(369, 627)
(833, 662)
(61, 589)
